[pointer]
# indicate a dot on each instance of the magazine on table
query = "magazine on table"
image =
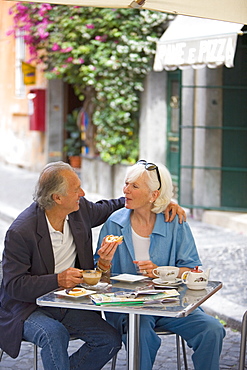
(133, 298)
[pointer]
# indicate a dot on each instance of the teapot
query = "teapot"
(196, 279)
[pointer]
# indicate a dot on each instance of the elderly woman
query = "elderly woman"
(149, 241)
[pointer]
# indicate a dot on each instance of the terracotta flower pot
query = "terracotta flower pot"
(75, 161)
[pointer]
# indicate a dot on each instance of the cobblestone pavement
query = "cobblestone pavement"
(165, 360)
(225, 252)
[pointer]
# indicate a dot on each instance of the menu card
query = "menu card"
(131, 298)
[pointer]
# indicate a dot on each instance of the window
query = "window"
(20, 90)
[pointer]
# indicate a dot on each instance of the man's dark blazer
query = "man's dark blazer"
(28, 262)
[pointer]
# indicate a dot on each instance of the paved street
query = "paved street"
(222, 250)
(165, 360)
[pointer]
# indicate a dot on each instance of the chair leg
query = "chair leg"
(184, 354)
(178, 352)
(114, 359)
(243, 342)
(113, 362)
(35, 357)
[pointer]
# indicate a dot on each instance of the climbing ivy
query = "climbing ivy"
(105, 55)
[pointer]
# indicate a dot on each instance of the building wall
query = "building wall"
(100, 178)
(55, 116)
(18, 145)
(153, 118)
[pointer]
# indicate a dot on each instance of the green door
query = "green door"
(234, 138)
(173, 122)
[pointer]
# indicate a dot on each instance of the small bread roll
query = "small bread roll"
(114, 238)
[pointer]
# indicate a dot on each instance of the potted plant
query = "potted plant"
(73, 142)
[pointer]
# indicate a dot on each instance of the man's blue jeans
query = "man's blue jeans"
(51, 328)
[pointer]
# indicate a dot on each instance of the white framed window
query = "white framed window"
(20, 53)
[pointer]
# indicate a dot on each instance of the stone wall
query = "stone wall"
(101, 178)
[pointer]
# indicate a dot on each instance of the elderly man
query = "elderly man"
(45, 248)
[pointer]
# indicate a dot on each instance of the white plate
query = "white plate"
(84, 294)
(158, 281)
(129, 277)
(97, 286)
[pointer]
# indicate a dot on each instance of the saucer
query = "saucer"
(161, 282)
(130, 278)
(100, 285)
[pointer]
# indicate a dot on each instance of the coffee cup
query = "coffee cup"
(166, 273)
(91, 277)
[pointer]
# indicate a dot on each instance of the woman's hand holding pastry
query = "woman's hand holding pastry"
(107, 249)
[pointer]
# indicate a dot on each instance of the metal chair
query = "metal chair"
(35, 355)
(243, 342)
(159, 332)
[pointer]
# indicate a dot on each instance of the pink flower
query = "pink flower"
(101, 38)
(55, 71)
(70, 59)
(33, 51)
(90, 26)
(10, 32)
(78, 61)
(29, 39)
(55, 47)
(21, 8)
(42, 33)
(24, 18)
(43, 9)
(66, 50)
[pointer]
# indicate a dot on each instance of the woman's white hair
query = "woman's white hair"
(166, 192)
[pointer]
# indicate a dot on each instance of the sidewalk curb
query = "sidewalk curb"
(220, 307)
(8, 213)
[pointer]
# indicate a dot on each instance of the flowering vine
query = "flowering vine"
(105, 54)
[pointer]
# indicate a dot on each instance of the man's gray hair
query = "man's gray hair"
(51, 181)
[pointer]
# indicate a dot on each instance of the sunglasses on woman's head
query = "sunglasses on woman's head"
(150, 167)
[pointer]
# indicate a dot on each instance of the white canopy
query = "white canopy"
(196, 42)
(226, 10)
